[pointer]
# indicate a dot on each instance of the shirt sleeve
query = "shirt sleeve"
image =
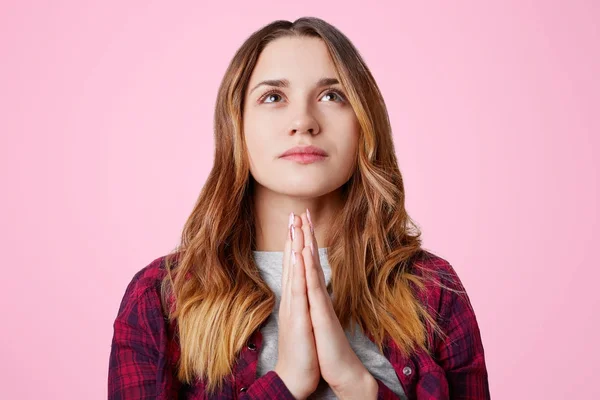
(461, 353)
(268, 386)
(135, 352)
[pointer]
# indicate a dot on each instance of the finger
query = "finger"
(312, 228)
(299, 299)
(310, 264)
(318, 299)
(293, 239)
(312, 239)
(287, 249)
(308, 237)
(285, 279)
(317, 285)
(297, 236)
(314, 283)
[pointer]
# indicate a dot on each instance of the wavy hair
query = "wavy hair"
(218, 296)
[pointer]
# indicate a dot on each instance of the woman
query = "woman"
(299, 273)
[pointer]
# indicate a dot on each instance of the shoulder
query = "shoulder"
(148, 277)
(435, 270)
(143, 292)
(443, 289)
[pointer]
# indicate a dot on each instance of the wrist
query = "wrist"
(297, 393)
(363, 387)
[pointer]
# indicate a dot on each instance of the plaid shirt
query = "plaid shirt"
(145, 351)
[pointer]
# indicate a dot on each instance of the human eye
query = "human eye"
(269, 94)
(338, 93)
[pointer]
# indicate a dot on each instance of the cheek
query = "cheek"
(255, 146)
(253, 135)
(260, 150)
(259, 127)
(349, 150)
(348, 144)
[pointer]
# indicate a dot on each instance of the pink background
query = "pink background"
(107, 139)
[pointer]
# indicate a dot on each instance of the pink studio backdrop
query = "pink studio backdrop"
(107, 139)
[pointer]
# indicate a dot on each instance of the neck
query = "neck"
(272, 211)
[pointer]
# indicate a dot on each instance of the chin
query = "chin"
(309, 185)
(309, 190)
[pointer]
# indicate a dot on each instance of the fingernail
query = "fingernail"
(309, 221)
(312, 251)
(292, 235)
(293, 257)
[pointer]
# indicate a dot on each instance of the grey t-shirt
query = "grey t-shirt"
(270, 266)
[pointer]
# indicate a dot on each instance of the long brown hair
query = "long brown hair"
(220, 297)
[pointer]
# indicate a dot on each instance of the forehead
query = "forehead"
(300, 60)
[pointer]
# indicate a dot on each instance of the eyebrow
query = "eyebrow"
(285, 83)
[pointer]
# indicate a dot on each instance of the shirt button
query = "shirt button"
(252, 346)
(407, 371)
(243, 389)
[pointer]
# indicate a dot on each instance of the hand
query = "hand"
(297, 363)
(339, 365)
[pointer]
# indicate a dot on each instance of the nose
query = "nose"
(305, 124)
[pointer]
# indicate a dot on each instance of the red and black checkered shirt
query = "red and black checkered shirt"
(145, 350)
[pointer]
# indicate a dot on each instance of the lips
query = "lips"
(305, 150)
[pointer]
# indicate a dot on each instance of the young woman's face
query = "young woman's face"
(299, 110)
